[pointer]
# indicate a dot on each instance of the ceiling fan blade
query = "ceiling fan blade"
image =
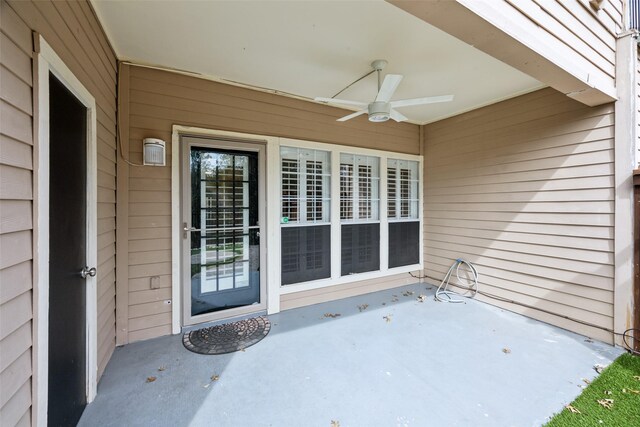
(421, 101)
(341, 101)
(351, 116)
(397, 116)
(389, 86)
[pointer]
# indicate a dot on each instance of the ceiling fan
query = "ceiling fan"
(382, 108)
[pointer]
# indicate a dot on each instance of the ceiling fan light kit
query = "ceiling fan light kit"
(382, 108)
(379, 111)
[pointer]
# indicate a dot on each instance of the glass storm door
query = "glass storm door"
(223, 237)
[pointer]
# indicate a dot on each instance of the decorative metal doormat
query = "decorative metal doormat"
(227, 338)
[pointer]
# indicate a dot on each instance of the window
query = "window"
(359, 187)
(359, 213)
(333, 213)
(402, 189)
(403, 212)
(305, 215)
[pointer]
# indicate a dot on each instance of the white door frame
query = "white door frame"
(255, 146)
(176, 226)
(47, 61)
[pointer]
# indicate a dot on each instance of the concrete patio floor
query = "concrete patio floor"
(431, 364)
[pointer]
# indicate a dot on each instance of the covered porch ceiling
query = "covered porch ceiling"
(311, 48)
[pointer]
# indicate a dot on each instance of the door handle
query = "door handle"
(86, 271)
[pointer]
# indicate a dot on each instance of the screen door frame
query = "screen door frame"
(222, 143)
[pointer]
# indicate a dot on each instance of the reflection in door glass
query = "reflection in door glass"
(225, 253)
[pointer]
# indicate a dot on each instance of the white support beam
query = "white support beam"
(625, 137)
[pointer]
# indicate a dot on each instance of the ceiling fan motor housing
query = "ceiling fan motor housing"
(379, 111)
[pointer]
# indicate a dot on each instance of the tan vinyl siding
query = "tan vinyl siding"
(524, 189)
(568, 32)
(156, 101)
(563, 44)
(73, 31)
(316, 296)
(16, 223)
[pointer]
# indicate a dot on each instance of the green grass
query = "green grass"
(617, 383)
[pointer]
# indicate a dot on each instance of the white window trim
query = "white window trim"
(336, 278)
(45, 61)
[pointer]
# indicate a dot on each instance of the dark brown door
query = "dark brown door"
(67, 256)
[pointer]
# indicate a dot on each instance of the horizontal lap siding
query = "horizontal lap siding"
(524, 190)
(160, 99)
(16, 222)
(75, 34)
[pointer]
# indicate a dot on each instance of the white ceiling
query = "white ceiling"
(311, 48)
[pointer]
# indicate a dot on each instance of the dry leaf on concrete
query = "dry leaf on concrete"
(332, 315)
(407, 293)
(506, 350)
(363, 307)
(387, 318)
(422, 298)
(151, 379)
(607, 403)
(598, 367)
(573, 409)
(335, 423)
(161, 368)
(586, 381)
(215, 377)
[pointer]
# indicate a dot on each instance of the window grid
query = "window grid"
(305, 186)
(402, 189)
(404, 193)
(359, 188)
(391, 192)
(290, 189)
(346, 191)
(314, 190)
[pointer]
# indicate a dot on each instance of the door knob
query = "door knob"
(86, 271)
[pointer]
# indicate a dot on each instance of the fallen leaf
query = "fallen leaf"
(332, 315)
(363, 307)
(588, 340)
(422, 298)
(161, 368)
(637, 377)
(387, 318)
(607, 403)
(335, 423)
(573, 409)
(608, 393)
(151, 379)
(506, 350)
(586, 381)
(633, 391)
(215, 377)
(407, 293)
(598, 367)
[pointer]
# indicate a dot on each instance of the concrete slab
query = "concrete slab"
(398, 362)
